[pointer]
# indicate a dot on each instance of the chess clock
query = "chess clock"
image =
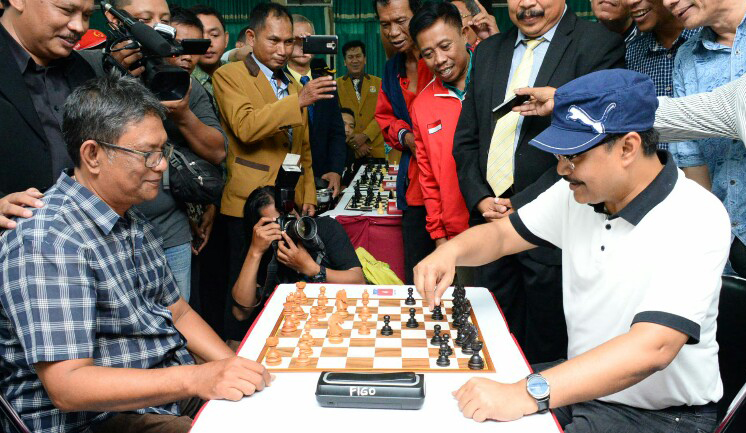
(371, 390)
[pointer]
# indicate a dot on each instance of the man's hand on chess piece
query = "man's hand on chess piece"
(540, 104)
(335, 181)
(296, 257)
(435, 273)
(316, 90)
(482, 399)
(15, 205)
(483, 24)
(500, 208)
(229, 379)
(266, 231)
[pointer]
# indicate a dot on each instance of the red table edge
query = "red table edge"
(559, 427)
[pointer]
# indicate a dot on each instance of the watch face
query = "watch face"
(537, 386)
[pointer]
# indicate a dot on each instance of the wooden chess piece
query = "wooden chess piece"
(273, 357)
(302, 360)
(304, 347)
(289, 302)
(342, 308)
(300, 286)
(322, 295)
(335, 328)
(314, 320)
(364, 330)
(366, 297)
(289, 327)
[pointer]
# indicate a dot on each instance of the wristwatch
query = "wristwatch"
(321, 276)
(538, 388)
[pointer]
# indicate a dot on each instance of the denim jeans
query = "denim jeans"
(179, 259)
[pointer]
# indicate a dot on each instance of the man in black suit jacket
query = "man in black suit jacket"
(528, 285)
(326, 131)
(38, 69)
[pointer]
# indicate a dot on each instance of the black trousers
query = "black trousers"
(417, 241)
(738, 257)
(530, 296)
(212, 274)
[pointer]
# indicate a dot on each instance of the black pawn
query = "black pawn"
(437, 313)
(386, 330)
(436, 340)
(476, 362)
(443, 360)
(412, 322)
(410, 299)
(445, 339)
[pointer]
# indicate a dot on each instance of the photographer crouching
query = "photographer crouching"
(286, 248)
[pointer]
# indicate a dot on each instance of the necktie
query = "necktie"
(500, 156)
(303, 80)
(356, 83)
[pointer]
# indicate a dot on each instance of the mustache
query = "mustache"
(74, 36)
(530, 13)
(571, 180)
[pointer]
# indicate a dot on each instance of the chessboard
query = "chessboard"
(361, 344)
(370, 189)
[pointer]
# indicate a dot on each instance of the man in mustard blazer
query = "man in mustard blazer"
(359, 91)
(264, 116)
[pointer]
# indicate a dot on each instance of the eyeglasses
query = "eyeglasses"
(570, 158)
(152, 159)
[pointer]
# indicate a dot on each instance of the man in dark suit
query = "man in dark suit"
(39, 70)
(326, 132)
(549, 45)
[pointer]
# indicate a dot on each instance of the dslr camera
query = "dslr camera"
(167, 82)
(300, 229)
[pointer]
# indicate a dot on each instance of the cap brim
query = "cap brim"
(565, 142)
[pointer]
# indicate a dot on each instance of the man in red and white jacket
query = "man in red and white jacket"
(437, 30)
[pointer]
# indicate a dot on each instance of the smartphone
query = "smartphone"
(507, 106)
(320, 44)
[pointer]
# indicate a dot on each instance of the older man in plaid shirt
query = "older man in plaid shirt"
(93, 333)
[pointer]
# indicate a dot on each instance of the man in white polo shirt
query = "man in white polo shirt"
(643, 249)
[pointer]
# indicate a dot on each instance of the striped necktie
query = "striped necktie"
(500, 156)
(303, 80)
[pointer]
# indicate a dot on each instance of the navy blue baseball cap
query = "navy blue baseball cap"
(590, 107)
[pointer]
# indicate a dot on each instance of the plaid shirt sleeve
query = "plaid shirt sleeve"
(50, 298)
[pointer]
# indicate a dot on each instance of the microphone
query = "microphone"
(145, 35)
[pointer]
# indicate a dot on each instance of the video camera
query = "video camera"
(167, 82)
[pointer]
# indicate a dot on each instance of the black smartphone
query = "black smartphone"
(320, 44)
(507, 106)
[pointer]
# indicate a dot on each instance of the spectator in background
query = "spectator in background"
(710, 59)
(230, 55)
(264, 114)
(348, 119)
(191, 123)
(358, 91)
(187, 26)
(37, 77)
(405, 75)
(326, 131)
(214, 30)
(436, 29)
(476, 22)
(500, 172)
(615, 16)
(654, 50)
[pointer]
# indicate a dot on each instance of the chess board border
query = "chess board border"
(489, 366)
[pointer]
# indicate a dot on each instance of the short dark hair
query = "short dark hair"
(182, 15)
(119, 4)
(242, 35)
(255, 202)
(345, 110)
(471, 5)
(414, 5)
(353, 44)
(262, 11)
(650, 139)
(6, 5)
(432, 12)
(208, 10)
(103, 108)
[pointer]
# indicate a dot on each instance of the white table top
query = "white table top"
(347, 194)
(290, 401)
